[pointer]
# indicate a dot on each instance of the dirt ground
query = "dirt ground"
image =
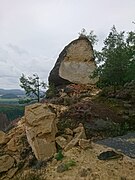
(89, 167)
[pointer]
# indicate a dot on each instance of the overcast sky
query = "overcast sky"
(33, 32)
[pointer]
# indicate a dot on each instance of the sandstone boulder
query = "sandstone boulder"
(6, 162)
(41, 129)
(75, 64)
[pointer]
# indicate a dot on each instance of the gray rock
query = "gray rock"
(125, 144)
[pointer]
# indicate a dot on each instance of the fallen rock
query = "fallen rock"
(2, 137)
(68, 131)
(75, 64)
(12, 172)
(41, 129)
(71, 144)
(108, 155)
(68, 137)
(11, 145)
(85, 143)
(80, 134)
(61, 141)
(6, 162)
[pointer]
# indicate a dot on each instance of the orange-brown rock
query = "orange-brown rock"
(6, 162)
(85, 143)
(2, 137)
(80, 134)
(41, 129)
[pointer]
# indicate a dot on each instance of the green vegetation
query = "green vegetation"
(8, 101)
(70, 163)
(11, 111)
(32, 85)
(9, 96)
(51, 92)
(59, 156)
(66, 166)
(91, 36)
(116, 59)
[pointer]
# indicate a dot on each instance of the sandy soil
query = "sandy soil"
(89, 167)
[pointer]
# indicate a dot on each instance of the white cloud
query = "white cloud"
(19, 61)
(33, 32)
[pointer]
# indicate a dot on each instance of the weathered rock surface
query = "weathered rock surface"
(61, 141)
(72, 138)
(41, 129)
(2, 137)
(68, 131)
(80, 134)
(75, 64)
(85, 143)
(12, 145)
(6, 162)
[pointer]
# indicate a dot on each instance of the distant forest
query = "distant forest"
(12, 112)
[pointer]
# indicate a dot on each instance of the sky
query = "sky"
(34, 32)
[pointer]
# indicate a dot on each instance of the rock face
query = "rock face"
(2, 137)
(75, 64)
(6, 162)
(40, 130)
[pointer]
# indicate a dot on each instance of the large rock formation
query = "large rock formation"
(40, 130)
(75, 64)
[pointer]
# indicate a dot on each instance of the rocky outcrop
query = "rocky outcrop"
(6, 162)
(75, 64)
(2, 137)
(41, 129)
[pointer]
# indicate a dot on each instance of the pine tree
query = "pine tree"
(32, 85)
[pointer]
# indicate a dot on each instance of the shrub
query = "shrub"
(51, 92)
(66, 166)
(59, 156)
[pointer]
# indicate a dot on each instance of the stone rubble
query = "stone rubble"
(78, 138)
